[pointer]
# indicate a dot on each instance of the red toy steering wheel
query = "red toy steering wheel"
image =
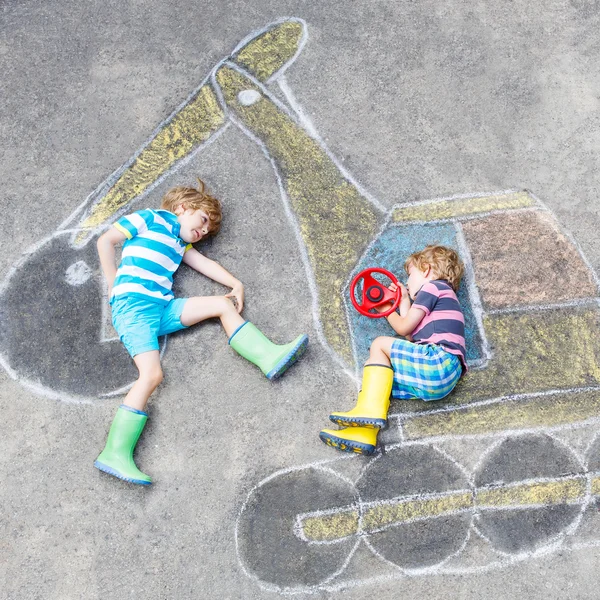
(375, 293)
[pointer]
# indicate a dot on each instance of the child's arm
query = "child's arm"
(405, 325)
(106, 250)
(213, 270)
(408, 319)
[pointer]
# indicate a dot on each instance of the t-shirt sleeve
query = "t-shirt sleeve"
(134, 224)
(427, 297)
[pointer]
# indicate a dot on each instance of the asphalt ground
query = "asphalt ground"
(415, 102)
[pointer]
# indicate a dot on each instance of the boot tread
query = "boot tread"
(289, 359)
(346, 445)
(343, 421)
(115, 473)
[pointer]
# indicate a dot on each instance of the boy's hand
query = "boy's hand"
(392, 287)
(237, 293)
(383, 307)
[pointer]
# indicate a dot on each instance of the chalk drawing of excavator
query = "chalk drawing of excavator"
(526, 415)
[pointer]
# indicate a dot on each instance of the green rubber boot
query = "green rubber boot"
(273, 360)
(117, 457)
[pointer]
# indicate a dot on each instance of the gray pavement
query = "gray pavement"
(417, 101)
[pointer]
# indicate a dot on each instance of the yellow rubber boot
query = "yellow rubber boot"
(361, 440)
(373, 400)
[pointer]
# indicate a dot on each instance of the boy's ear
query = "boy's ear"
(179, 209)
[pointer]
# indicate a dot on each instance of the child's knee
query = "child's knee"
(377, 344)
(153, 376)
(225, 305)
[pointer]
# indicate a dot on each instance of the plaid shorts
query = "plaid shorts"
(424, 371)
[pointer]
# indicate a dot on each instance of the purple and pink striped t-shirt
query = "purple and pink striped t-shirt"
(444, 322)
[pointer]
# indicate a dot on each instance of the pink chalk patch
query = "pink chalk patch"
(523, 259)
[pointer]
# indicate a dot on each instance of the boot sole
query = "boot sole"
(114, 473)
(358, 422)
(285, 363)
(347, 445)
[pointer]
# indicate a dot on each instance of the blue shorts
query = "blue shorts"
(424, 371)
(140, 322)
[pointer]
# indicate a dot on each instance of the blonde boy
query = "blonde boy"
(426, 365)
(155, 242)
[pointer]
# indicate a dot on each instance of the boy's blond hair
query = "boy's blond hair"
(196, 199)
(444, 262)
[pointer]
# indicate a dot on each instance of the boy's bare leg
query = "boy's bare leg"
(200, 308)
(361, 424)
(148, 364)
(380, 351)
(249, 342)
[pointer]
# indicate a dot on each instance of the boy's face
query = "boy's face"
(194, 224)
(417, 279)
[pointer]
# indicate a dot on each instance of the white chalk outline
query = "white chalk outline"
(319, 465)
(474, 297)
(543, 548)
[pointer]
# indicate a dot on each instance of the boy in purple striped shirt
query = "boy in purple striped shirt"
(427, 364)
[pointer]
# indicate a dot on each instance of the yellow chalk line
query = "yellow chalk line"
(530, 413)
(382, 515)
(190, 127)
(331, 527)
(460, 207)
(193, 124)
(335, 221)
(541, 493)
(270, 51)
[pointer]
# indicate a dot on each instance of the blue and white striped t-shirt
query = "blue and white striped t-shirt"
(151, 254)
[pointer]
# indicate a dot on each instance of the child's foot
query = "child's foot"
(361, 440)
(117, 457)
(131, 474)
(272, 359)
(289, 354)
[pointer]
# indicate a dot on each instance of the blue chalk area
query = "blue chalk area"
(389, 251)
